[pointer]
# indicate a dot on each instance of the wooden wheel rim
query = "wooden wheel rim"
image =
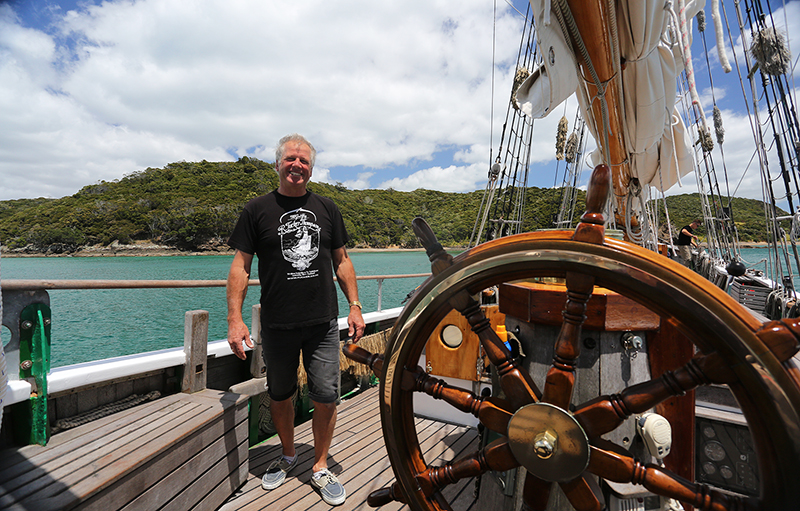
(711, 319)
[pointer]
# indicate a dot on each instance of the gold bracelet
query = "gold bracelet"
(355, 303)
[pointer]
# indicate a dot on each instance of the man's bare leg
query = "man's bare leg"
(322, 424)
(283, 419)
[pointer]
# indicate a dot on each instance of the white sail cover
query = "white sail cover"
(658, 143)
(554, 80)
(657, 140)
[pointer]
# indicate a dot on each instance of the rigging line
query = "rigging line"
(745, 172)
(491, 99)
(753, 117)
(714, 102)
(789, 47)
(525, 17)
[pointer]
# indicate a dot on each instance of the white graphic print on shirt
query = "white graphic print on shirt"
(299, 241)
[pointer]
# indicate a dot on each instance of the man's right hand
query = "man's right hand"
(237, 333)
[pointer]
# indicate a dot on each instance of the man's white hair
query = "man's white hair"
(294, 137)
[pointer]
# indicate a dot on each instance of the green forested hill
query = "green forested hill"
(191, 205)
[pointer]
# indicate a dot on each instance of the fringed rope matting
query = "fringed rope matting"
(375, 343)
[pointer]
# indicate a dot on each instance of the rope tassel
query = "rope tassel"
(770, 51)
(561, 138)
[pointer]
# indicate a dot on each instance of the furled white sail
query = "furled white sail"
(657, 141)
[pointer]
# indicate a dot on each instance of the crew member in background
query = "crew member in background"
(687, 240)
(299, 238)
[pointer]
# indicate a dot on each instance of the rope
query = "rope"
(520, 76)
(718, 128)
(686, 52)
(561, 137)
(794, 232)
(571, 150)
(720, 36)
(103, 411)
(770, 52)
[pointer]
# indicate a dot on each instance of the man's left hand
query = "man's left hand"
(356, 322)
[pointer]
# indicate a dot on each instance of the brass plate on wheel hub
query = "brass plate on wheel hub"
(548, 442)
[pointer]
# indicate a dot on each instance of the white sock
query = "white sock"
(319, 474)
(290, 459)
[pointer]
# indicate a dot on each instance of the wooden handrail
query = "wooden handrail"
(31, 284)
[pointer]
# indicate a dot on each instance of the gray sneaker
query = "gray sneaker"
(330, 488)
(276, 473)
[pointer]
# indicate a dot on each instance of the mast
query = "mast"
(595, 44)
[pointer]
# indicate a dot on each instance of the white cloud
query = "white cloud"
(451, 179)
(361, 183)
(120, 86)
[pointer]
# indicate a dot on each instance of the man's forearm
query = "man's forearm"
(236, 289)
(346, 275)
(236, 292)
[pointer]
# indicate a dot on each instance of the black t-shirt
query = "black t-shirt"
(684, 239)
(293, 238)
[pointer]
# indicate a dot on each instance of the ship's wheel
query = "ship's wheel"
(556, 443)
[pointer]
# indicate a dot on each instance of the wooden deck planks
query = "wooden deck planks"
(171, 451)
(357, 457)
(16, 462)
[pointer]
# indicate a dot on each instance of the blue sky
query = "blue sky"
(393, 94)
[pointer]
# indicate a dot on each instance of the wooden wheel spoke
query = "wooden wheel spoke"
(606, 413)
(535, 493)
(516, 382)
(495, 456)
(560, 379)
(494, 413)
(782, 337)
(373, 360)
(393, 493)
(584, 493)
(591, 229)
(617, 465)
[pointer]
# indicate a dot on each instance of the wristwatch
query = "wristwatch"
(355, 303)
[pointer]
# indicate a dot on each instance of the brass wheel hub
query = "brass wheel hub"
(548, 442)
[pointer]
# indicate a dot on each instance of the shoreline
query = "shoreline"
(151, 250)
(160, 251)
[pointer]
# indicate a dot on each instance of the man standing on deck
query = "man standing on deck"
(686, 240)
(299, 238)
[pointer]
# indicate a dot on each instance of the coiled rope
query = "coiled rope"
(794, 232)
(769, 49)
(520, 76)
(561, 137)
(103, 411)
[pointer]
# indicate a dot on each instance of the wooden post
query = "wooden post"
(257, 367)
(195, 346)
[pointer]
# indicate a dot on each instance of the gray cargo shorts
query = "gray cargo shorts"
(320, 347)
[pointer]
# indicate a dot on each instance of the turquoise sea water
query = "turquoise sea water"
(97, 324)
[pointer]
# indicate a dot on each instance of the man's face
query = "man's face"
(294, 169)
